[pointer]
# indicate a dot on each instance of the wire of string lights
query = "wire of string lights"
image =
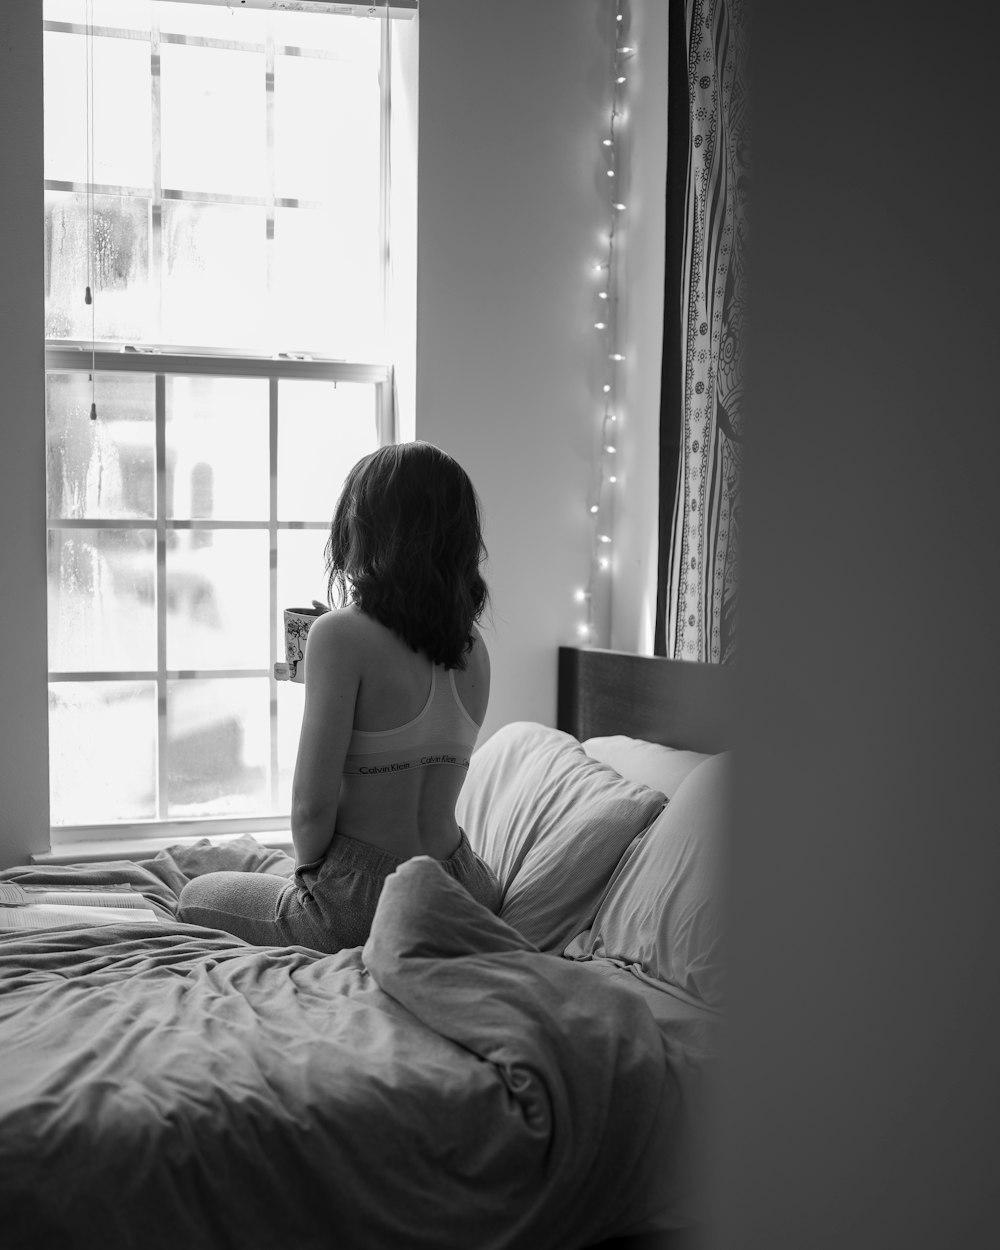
(606, 269)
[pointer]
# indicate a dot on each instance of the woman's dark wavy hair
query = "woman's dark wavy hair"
(405, 546)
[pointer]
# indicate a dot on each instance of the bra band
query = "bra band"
(442, 732)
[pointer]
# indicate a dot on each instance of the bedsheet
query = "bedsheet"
(446, 1085)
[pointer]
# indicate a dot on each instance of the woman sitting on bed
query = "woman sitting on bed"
(396, 685)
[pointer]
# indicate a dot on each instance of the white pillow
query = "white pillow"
(553, 824)
(661, 913)
(659, 767)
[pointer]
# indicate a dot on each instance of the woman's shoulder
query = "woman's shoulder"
(339, 630)
(354, 630)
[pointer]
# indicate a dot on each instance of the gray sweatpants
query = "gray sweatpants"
(327, 905)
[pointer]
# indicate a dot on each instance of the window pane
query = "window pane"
(122, 109)
(213, 22)
(323, 430)
(217, 599)
(103, 468)
(102, 599)
(123, 309)
(301, 578)
(291, 698)
(312, 164)
(209, 283)
(301, 575)
(215, 274)
(353, 41)
(217, 746)
(208, 419)
(214, 120)
(102, 751)
(326, 293)
(127, 14)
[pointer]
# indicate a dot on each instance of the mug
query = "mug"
(298, 622)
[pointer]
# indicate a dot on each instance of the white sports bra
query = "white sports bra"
(442, 732)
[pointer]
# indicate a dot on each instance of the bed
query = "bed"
(530, 1080)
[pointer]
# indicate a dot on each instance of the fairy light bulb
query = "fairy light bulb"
(609, 296)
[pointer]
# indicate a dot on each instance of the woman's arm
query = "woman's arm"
(333, 675)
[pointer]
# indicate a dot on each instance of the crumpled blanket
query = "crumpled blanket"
(162, 876)
(446, 1086)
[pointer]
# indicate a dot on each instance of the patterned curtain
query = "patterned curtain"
(704, 315)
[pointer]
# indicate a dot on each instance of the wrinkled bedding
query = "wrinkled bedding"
(446, 1085)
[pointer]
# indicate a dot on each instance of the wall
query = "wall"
(402, 285)
(24, 811)
(862, 1081)
(513, 103)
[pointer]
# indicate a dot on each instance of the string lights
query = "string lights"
(601, 504)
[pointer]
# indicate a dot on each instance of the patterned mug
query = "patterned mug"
(298, 622)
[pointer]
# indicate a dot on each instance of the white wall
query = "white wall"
(402, 285)
(512, 109)
(24, 812)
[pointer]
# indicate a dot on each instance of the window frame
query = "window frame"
(74, 356)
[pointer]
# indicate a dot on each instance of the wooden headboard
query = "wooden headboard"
(675, 702)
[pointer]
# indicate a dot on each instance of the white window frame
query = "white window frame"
(64, 356)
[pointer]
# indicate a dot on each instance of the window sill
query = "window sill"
(145, 848)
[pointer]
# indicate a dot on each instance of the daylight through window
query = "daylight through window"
(217, 178)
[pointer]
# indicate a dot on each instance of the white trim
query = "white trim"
(97, 849)
(397, 8)
(150, 674)
(146, 831)
(197, 523)
(69, 356)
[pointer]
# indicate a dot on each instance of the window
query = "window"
(216, 178)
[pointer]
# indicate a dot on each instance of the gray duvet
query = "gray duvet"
(163, 1085)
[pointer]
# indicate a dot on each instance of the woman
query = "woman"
(397, 681)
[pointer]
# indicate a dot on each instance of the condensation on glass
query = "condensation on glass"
(102, 751)
(237, 191)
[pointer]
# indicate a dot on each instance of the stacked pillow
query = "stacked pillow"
(648, 763)
(661, 912)
(591, 862)
(553, 823)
